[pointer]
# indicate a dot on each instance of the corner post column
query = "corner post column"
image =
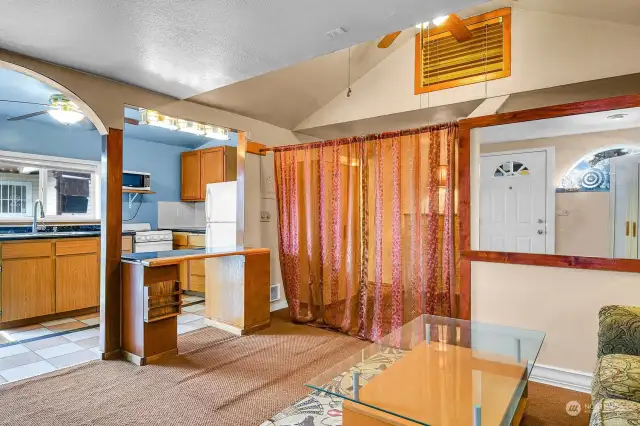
(111, 244)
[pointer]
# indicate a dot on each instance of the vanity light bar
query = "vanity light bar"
(154, 118)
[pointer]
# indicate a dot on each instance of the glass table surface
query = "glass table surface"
(437, 371)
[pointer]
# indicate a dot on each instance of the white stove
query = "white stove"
(146, 240)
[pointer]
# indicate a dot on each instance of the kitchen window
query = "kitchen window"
(68, 188)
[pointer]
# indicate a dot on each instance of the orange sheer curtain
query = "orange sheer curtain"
(367, 229)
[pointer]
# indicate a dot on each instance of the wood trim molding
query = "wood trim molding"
(111, 241)
(464, 209)
(553, 260)
(257, 148)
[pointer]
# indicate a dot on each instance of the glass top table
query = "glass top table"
(436, 371)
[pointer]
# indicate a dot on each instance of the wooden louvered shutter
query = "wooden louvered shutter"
(445, 62)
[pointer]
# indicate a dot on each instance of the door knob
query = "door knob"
(540, 232)
(540, 220)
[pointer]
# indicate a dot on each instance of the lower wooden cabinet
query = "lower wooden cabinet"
(49, 276)
(77, 282)
(192, 272)
(27, 288)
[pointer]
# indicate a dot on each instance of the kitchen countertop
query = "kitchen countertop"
(18, 234)
(173, 257)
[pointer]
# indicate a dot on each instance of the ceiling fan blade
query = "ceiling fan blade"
(22, 117)
(23, 102)
(388, 40)
(133, 121)
(457, 28)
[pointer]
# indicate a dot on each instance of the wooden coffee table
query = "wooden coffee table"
(437, 371)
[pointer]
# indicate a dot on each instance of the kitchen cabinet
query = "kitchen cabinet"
(191, 272)
(77, 274)
(204, 166)
(47, 277)
(27, 280)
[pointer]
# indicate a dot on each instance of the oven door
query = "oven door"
(152, 246)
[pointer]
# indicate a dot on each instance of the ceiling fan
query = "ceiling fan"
(451, 23)
(59, 107)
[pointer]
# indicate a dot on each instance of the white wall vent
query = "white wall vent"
(275, 292)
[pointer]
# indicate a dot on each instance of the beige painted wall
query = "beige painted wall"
(547, 50)
(562, 302)
(584, 231)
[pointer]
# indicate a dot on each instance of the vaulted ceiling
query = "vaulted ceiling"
(286, 97)
(184, 48)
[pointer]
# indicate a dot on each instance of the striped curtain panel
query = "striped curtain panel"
(368, 235)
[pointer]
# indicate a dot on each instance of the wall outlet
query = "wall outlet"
(265, 216)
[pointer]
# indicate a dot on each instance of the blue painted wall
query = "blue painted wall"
(162, 161)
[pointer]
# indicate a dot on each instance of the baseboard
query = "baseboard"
(568, 379)
(279, 304)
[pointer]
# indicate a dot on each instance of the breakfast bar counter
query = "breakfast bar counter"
(237, 281)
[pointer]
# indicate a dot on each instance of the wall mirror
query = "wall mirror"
(567, 185)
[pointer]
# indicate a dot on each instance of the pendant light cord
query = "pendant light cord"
(349, 75)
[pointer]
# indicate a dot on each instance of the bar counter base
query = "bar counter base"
(137, 360)
(235, 330)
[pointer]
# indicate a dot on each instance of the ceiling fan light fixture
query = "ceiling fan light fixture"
(66, 116)
(63, 110)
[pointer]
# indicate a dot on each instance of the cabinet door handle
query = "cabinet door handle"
(635, 225)
(626, 232)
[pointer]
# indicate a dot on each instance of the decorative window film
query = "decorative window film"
(592, 172)
(511, 168)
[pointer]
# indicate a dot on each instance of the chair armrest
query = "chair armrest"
(619, 331)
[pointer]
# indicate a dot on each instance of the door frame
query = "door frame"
(466, 167)
(612, 205)
(550, 193)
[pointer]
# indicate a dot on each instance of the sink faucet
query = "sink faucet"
(34, 226)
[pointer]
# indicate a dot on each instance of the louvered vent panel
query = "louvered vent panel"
(446, 60)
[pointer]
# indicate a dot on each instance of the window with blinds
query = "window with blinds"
(443, 62)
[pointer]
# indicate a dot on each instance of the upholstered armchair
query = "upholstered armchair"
(616, 380)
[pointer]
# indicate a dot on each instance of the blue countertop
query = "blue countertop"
(11, 233)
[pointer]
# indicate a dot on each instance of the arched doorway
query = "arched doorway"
(69, 180)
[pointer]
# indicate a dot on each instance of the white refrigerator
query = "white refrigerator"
(220, 214)
(221, 206)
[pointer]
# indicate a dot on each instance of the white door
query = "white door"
(513, 198)
(623, 207)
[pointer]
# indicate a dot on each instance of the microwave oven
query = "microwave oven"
(136, 180)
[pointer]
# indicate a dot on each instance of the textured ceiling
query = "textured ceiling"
(287, 96)
(184, 48)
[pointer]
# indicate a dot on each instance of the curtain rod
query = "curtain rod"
(366, 138)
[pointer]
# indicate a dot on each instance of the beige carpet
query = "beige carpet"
(218, 380)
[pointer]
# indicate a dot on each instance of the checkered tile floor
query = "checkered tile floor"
(32, 357)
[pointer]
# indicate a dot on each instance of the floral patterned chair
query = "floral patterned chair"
(616, 380)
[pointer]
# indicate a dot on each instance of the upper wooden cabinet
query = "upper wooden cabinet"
(204, 166)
